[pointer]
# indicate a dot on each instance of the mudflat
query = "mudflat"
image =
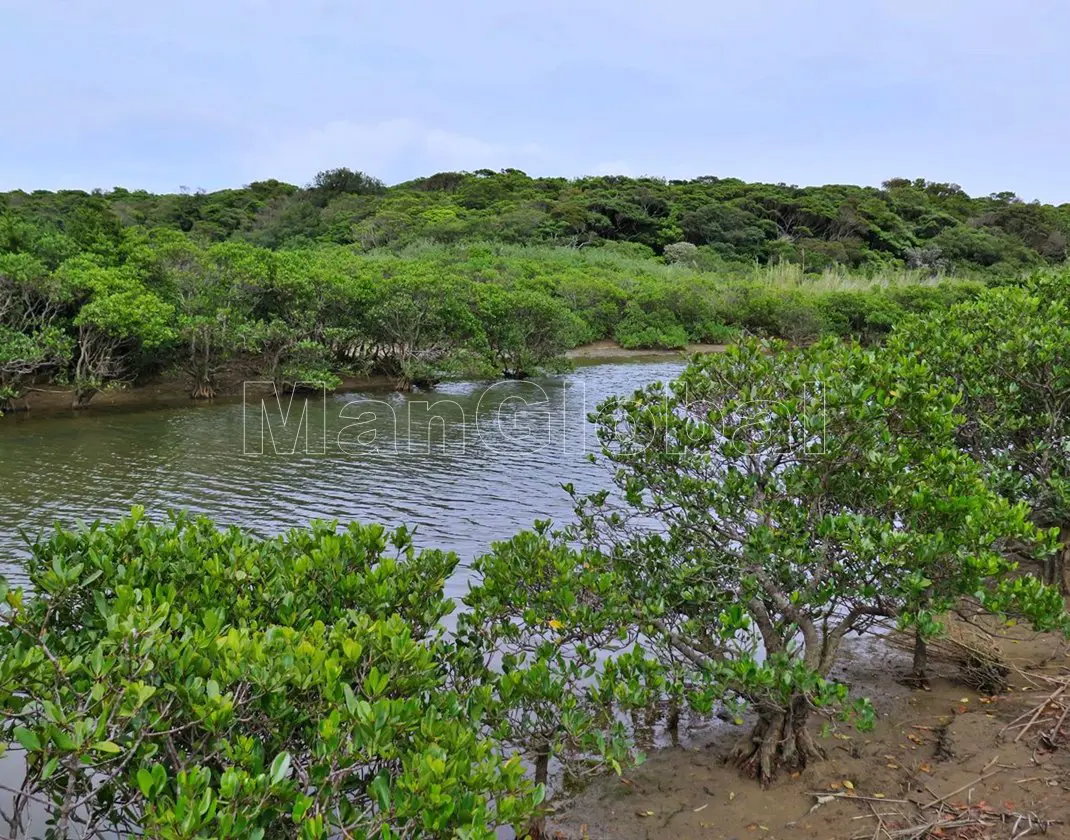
(943, 762)
(609, 350)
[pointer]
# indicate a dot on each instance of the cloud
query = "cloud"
(298, 155)
(462, 152)
(390, 149)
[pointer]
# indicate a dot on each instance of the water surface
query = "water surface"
(467, 464)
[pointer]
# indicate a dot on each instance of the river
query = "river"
(466, 464)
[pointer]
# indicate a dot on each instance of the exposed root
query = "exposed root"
(943, 751)
(83, 398)
(985, 673)
(920, 683)
(778, 740)
(203, 391)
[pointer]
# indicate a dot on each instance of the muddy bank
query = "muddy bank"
(941, 758)
(172, 390)
(166, 392)
(607, 350)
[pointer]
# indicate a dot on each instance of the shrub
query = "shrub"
(714, 333)
(181, 680)
(645, 331)
(1007, 354)
(682, 253)
(525, 330)
(561, 629)
(867, 315)
(771, 501)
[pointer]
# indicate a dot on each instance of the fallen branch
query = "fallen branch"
(1034, 714)
(821, 794)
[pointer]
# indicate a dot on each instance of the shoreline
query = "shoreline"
(607, 350)
(942, 741)
(171, 391)
(168, 391)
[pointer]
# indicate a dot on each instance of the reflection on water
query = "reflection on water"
(466, 464)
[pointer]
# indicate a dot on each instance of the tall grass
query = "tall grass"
(841, 279)
(637, 262)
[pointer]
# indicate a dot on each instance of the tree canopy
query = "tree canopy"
(486, 273)
(910, 222)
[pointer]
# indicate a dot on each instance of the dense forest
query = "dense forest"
(483, 273)
(913, 223)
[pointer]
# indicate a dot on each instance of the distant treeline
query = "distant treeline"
(910, 223)
(475, 274)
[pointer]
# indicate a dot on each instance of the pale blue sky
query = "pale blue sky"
(215, 93)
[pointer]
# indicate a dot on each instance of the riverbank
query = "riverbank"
(940, 757)
(166, 391)
(607, 350)
(172, 391)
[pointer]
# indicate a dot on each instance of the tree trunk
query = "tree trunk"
(673, 722)
(779, 739)
(82, 397)
(1062, 561)
(536, 829)
(199, 369)
(919, 669)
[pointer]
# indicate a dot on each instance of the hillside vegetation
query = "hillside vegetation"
(480, 274)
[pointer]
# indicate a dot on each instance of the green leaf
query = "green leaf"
(49, 769)
(229, 783)
(380, 789)
(107, 747)
(350, 698)
(144, 782)
(301, 805)
(64, 741)
(28, 739)
(280, 767)
(159, 778)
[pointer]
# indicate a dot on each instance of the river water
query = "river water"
(467, 464)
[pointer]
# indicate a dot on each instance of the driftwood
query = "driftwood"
(1057, 703)
(908, 819)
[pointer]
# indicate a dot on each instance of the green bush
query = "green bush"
(788, 314)
(921, 299)
(1008, 354)
(649, 331)
(867, 315)
(306, 314)
(177, 680)
(772, 500)
(714, 333)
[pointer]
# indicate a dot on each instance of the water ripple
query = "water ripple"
(497, 466)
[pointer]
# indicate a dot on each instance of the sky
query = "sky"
(207, 94)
